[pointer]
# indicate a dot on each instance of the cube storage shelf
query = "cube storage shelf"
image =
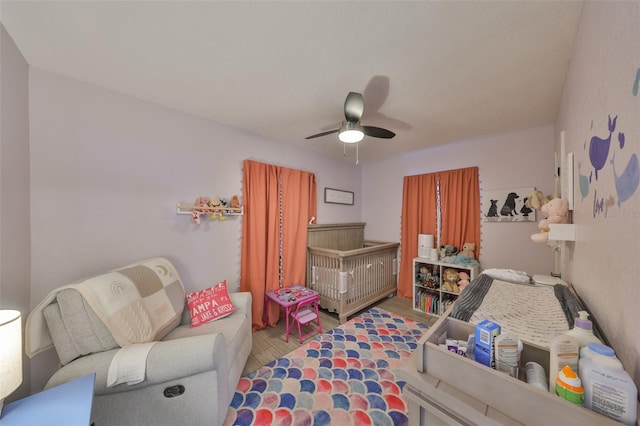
(428, 295)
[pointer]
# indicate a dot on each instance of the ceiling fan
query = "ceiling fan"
(351, 130)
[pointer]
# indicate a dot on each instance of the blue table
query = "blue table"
(68, 404)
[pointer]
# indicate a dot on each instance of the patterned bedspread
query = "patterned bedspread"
(535, 313)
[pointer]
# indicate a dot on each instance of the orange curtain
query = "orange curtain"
(419, 216)
(459, 215)
(299, 205)
(279, 202)
(460, 207)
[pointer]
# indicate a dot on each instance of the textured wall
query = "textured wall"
(15, 241)
(600, 113)
(514, 160)
(106, 174)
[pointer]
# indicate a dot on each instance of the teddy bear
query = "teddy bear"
(469, 249)
(195, 213)
(450, 280)
(536, 200)
(463, 280)
(556, 211)
(235, 202)
(216, 208)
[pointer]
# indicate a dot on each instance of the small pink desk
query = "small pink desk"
(288, 298)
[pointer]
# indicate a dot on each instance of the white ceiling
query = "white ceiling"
(433, 72)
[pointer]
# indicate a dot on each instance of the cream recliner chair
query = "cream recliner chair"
(188, 376)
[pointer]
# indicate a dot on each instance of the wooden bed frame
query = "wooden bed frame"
(348, 272)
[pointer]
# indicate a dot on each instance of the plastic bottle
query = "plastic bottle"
(564, 350)
(508, 349)
(569, 386)
(583, 330)
(536, 375)
(608, 389)
(605, 354)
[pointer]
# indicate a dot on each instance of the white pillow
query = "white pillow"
(509, 275)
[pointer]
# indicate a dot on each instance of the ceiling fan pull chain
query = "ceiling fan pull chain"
(357, 157)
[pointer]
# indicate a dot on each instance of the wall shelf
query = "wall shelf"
(562, 232)
(222, 210)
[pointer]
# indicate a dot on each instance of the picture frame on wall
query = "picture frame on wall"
(338, 196)
(507, 205)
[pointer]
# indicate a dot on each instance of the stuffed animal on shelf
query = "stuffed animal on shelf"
(195, 213)
(556, 211)
(536, 200)
(448, 250)
(235, 202)
(224, 205)
(461, 259)
(469, 249)
(450, 280)
(216, 209)
(463, 280)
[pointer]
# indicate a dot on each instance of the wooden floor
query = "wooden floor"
(269, 344)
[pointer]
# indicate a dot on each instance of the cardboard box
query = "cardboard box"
(486, 332)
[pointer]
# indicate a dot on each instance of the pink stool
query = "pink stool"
(306, 312)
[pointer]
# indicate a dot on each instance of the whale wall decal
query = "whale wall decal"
(599, 147)
(627, 182)
(613, 185)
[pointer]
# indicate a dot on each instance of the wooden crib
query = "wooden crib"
(348, 272)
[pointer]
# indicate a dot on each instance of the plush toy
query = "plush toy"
(195, 213)
(216, 206)
(536, 200)
(463, 280)
(235, 202)
(469, 249)
(448, 250)
(224, 209)
(556, 211)
(463, 259)
(450, 280)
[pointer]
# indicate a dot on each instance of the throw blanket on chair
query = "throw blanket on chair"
(139, 303)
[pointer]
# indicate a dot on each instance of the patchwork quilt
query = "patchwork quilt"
(138, 303)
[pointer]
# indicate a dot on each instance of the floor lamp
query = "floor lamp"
(10, 353)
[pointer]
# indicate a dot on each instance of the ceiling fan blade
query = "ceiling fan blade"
(328, 132)
(378, 132)
(353, 106)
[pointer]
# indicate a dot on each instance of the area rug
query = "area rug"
(346, 376)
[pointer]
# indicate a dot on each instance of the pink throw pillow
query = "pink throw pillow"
(209, 304)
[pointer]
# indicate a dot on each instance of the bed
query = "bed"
(535, 313)
(348, 272)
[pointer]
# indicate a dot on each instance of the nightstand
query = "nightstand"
(68, 404)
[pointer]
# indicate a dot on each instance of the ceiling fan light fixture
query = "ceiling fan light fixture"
(351, 133)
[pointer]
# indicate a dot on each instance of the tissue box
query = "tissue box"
(486, 332)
